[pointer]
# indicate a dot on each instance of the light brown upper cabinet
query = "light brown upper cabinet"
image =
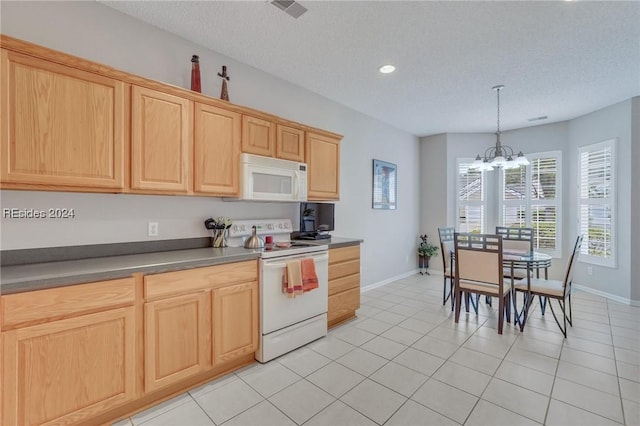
(161, 141)
(323, 160)
(61, 127)
(216, 150)
(258, 136)
(290, 143)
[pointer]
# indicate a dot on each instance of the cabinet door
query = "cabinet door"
(290, 143)
(161, 139)
(323, 159)
(67, 371)
(177, 338)
(258, 136)
(217, 150)
(235, 321)
(60, 126)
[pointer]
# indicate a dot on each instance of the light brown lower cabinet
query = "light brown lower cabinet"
(93, 353)
(65, 371)
(235, 321)
(198, 319)
(344, 284)
(177, 338)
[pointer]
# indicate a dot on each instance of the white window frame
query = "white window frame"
(459, 203)
(585, 257)
(528, 202)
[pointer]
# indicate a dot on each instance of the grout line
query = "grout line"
(615, 362)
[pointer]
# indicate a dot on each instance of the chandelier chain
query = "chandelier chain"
(498, 91)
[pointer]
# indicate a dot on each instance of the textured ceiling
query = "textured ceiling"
(558, 59)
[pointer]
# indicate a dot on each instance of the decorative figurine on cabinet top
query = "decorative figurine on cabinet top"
(195, 74)
(224, 94)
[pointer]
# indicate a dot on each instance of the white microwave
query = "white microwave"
(272, 179)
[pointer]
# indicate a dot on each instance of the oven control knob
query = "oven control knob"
(280, 226)
(270, 226)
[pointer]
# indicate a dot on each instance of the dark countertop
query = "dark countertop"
(38, 276)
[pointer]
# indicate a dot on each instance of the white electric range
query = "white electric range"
(285, 323)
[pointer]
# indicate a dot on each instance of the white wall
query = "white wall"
(613, 122)
(635, 198)
(95, 32)
(433, 190)
(619, 121)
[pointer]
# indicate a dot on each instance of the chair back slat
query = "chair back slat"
(568, 278)
(478, 265)
(446, 245)
(517, 239)
(479, 258)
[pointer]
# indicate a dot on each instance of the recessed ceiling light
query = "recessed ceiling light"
(386, 69)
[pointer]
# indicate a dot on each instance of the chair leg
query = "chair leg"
(488, 300)
(500, 314)
(543, 303)
(563, 330)
(444, 290)
(570, 316)
(508, 307)
(528, 299)
(474, 305)
(453, 293)
(458, 304)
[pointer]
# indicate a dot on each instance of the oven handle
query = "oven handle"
(276, 264)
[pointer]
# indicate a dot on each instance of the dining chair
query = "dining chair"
(446, 246)
(479, 270)
(553, 289)
(519, 241)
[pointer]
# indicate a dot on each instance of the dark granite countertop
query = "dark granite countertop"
(43, 275)
(37, 276)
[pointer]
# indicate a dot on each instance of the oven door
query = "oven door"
(277, 309)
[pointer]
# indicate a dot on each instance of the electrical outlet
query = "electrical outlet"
(589, 270)
(152, 229)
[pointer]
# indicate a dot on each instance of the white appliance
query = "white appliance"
(285, 324)
(272, 179)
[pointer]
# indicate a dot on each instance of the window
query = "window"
(530, 200)
(471, 200)
(597, 203)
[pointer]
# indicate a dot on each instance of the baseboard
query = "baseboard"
(606, 295)
(388, 280)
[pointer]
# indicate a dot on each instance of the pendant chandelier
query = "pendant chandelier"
(499, 155)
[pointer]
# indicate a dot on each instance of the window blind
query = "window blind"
(597, 203)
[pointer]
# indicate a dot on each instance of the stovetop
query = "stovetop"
(280, 231)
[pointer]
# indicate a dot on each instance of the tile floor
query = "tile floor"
(404, 361)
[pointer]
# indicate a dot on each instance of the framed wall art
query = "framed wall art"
(384, 185)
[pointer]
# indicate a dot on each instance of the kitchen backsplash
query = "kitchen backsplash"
(72, 219)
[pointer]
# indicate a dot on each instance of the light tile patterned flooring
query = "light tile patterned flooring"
(404, 361)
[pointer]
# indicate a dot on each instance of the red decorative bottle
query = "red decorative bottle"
(195, 74)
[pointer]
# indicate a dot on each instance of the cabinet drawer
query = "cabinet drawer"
(342, 254)
(188, 281)
(345, 283)
(339, 270)
(343, 303)
(40, 306)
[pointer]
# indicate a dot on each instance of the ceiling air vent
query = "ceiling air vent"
(291, 7)
(542, 117)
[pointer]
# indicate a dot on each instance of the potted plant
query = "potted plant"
(426, 250)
